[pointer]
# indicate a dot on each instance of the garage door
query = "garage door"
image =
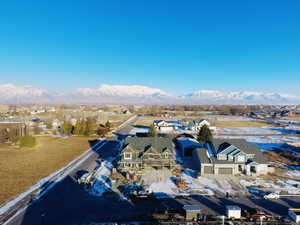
(225, 171)
(208, 170)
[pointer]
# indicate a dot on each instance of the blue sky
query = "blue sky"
(178, 46)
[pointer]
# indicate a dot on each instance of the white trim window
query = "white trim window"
(127, 156)
(241, 158)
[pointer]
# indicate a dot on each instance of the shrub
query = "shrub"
(27, 141)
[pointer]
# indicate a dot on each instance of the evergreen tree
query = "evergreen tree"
(67, 128)
(108, 124)
(49, 125)
(89, 128)
(204, 135)
(152, 131)
(79, 127)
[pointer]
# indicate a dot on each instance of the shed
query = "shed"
(192, 212)
(294, 214)
(233, 211)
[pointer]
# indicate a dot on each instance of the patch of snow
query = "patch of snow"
(293, 173)
(277, 186)
(102, 182)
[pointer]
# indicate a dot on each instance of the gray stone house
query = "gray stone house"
(231, 157)
(143, 152)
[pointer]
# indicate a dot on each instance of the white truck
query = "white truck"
(272, 196)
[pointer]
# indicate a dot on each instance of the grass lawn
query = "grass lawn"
(239, 123)
(21, 168)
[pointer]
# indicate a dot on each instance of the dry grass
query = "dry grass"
(239, 123)
(296, 118)
(21, 168)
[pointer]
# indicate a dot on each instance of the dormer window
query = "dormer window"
(241, 158)
(127, 156)
(222, 157)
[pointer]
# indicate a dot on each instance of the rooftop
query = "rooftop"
(233, 207)
(140, 143)
(220, 144)
(191, 207)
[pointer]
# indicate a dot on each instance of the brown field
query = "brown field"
(239, 123)
(296, 118)
(21, 168)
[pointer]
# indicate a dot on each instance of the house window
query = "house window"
(222, 157)
(241, 158)
(252, 169)
(127, 156)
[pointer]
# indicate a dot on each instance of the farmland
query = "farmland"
(21, 168)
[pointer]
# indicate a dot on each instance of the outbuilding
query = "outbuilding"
(294, 214)
(233, 211)
(192, 212)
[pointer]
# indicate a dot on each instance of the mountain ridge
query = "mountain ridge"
(137, 94)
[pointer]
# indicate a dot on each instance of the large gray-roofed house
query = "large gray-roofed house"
(144, 152)
(231, 157)
(140, 143)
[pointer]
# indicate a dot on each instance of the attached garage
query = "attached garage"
(225, 171)
(208, 170)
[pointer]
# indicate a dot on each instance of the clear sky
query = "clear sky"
(179, 46)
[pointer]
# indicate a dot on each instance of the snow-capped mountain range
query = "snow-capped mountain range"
(137, 94)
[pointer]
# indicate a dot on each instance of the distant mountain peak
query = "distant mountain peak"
(137, 94)
(238, 97)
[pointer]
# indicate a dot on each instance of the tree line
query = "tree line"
(85, 127)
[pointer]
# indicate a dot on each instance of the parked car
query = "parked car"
(256, 214)
(272, 196)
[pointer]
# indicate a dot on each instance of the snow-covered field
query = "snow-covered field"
(266, 138)
(249, 130)
(293, 174)
(230, 118)
(275, 186)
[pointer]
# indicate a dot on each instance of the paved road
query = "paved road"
(215, 206)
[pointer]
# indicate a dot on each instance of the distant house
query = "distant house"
(196, 125)
(231, 157)
(165, 126)
(144, 152)
(56, 124)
